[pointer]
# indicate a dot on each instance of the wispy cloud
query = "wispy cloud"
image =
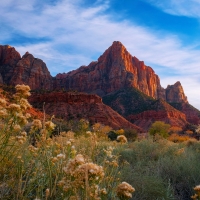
(178, 7)
(76, 34)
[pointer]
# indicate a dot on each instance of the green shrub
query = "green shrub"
(159, 128)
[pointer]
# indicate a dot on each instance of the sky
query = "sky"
(67, 34)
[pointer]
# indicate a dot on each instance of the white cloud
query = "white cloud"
(178, 7)
(76, 35)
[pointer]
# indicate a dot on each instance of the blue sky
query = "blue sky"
(66, 34)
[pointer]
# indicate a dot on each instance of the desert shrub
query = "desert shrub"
(39, 165)
(175, 129)
(178, 138)
(112, 135)
(162, 169)
(159, 128)
(131, 134)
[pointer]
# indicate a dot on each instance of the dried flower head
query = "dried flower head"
(3, 113)
(47, 192)
(61, 156)
(22, 90)
(122, 139)
(125, 190)
(3, 102)
(24, 104)
(194, 196)
(50, 125)
(36, 124)
(16, 128)
(28, 115)
(14, 108)
(197, 188)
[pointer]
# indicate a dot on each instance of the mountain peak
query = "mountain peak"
(117, 43)
(175, 93)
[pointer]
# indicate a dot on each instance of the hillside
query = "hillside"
(142, 110)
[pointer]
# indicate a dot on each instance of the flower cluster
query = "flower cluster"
(122, 139)
(82, 175)
(125, 190)
(197, 194)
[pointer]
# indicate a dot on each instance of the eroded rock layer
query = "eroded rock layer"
(68, 105)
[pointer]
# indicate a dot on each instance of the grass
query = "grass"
(162, 169)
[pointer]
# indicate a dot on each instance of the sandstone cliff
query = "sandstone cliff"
(175, 93)
(27, 70)
(8, 59)
(33, 72)
(114, 70)
(68, 105)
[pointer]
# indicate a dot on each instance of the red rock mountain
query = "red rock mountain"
(115, 69)
(175, 93)
(28, 70)
(68, 105)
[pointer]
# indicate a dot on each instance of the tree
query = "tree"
(159, 128)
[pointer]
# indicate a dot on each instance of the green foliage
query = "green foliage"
(132, 100)
(162, 169)
(159, 128)
(38, 165)
(112, 135)
(85, 165)
(131, 134)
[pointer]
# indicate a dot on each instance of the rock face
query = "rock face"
(114, 70)
(27, 70)
(159, 111)
(143, 110)
(69, 105)
(8, 59)
(33, 72)
(175, 93)
(192, 114)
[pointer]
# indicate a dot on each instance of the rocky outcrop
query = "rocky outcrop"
(26, 70)
(192, 114)
(175, 93)
(8, 59)
(33, 72)
(1, 79)
(8, 55)
(114, 70)
(68, 105)
(159, 111)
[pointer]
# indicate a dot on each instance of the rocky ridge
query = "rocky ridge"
(69, 105)
(143, 110)
(115, 70)
(28, 70)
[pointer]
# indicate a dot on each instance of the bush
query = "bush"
(162, 169)
(159, 128)
(39, 165)
(131, 134)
